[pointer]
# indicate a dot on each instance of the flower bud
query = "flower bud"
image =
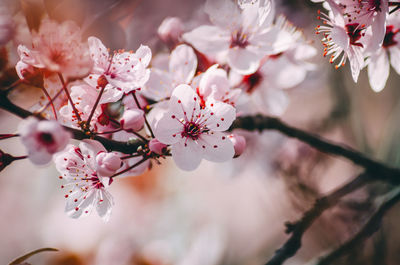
(239, 143)
(157, 147)
(107, 164)
(170, 31)
(132, 119)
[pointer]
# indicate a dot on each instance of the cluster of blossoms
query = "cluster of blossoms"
(181, 103)
(365, 33)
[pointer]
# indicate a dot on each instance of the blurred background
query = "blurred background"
(230, 213)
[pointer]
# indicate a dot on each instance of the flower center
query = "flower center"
(46, 138)
(191, 130)
(239, 39)
(96, 183)
(389, 36)
(354, 31)
(252, 81)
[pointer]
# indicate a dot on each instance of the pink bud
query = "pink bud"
(239, 143)
(170, 31)
(132, 119)
(157, 147)
(107, 163)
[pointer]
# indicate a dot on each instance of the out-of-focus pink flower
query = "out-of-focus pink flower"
(195, 132)
(181, 70)
(239, 143)
(157, 147)
(85, 188)
(42, 139)
(58, 48)
(108, 163)
(132, 119)
(170, 31)
(124, 71)
(244, 32)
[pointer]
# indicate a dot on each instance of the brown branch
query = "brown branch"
(374, 167)
(124, 147)
(298, 228)
(366, 231)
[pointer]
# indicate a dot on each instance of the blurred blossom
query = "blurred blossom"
(7, 26)
(170, 31)
(42, 139)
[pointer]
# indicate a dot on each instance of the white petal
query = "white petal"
(356, 61)
(223, 115)
(168, 129)
(216, 147)
(223, 13)
(243, 61)
(89, 150)
(214, 80)
(183, 64)
(208, 39)
(185, 103)
(159, 85)
(378, 70)
(144, 54)
(99, 54)
(395, 58)
(186, 154)
(104, 204)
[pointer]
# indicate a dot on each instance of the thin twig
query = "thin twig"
(145, 119)
(94, 107)
(69, 97)
(375, 168)
(366, 231)
(131, 167)
(297, 229)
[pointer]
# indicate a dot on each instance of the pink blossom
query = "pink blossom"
(157, 147)
(124, 71)
(239, 143)
(7, 26)
(132, 119)
(42, 139)
(195, 132)
(244, 33)
(182, 67)
(58, 48)
(85, 188)
(107, 164)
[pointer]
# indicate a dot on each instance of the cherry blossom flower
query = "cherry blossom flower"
(124, 71)
(341, 39)
(245, 33)
(195, 132)
(58, 48)
(181, 70)
(107, 164)
(85, 187)
(42, 139)
(378, 66)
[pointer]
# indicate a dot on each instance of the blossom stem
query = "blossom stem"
(69, 97)
(141, 137)
(12, 86)
(8, 136)
(131, 167)
(19, 157)
(130, 156)
(51, 100)
(145, 119)
(94, 107)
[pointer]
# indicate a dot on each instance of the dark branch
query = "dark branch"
(375, 168)
(297, 229)
(124, 147)
(366, 231)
